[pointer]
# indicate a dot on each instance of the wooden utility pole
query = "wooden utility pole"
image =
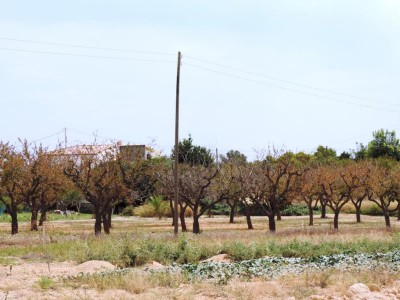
(178, 73)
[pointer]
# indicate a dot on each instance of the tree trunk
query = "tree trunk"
(358, 213)
(97, 223)
(43, 216)
(311, 215)
(232, 213)
(278, 215)
(14, 221)
(34, 226)
(109, 216)
(387, 218)
(172, 211)
(248, 219)
(323, 210)
(336, 220)
(106, 223)
(398, 212)
(182, 218)
(196, 224)
(271, 223)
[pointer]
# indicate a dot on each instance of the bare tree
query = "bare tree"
(165, 186)
(194, 187)
(97, 175)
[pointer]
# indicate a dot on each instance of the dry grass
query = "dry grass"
(73, 240)
(329, 282)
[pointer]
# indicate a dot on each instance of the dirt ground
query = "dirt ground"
(39, 280)
(22, 281)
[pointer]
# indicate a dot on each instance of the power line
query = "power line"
(290, 82)
(85, 55)
(46, 137)
(95, 135)
(86, 46)
(290, 89)
(172, 54)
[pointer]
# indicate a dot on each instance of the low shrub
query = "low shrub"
(372, 210)
(296, 210)
(2, 208)
(45, 283)
(220, 209)
(144, 211)
(367, 208)
(188, 213)
(128, 211)
(159, 205)
(148, 211)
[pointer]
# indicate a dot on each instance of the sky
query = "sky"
(255, 74)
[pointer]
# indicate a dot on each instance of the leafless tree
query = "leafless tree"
(98, 176)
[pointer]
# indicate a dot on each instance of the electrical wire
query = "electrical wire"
(85, 55)
(85, 46)
(186, 56)
(290, 89)
(95, 135)
(46, 137)
(290, 82)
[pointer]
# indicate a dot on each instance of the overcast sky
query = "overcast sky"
(347, 47)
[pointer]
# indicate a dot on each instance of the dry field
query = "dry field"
(48, 264)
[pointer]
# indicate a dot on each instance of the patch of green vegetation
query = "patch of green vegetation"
(26, 217)
(125, 251)
(46, 283)
(297, 210)
(7, 261)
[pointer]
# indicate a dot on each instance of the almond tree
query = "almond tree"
(52, 184)
(250, 188)
(275, 185)
(333, 190)
(19, 179)
(166, 187)
(355, 176)
(194, 187)
(308, 190)
(198, 183)
(233, 159)
(383, 187)
(97, 175)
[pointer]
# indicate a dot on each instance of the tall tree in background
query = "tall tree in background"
(192, 154)
(234, 156)
(384, 144)
(325, 154)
